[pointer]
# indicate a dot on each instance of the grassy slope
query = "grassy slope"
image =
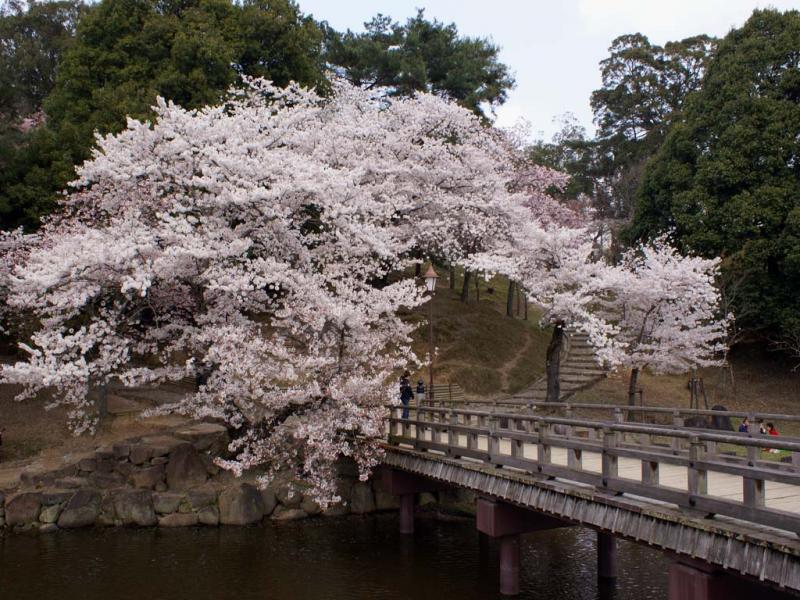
(764, 382)
(478, 346)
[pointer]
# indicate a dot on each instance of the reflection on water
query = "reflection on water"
(343, 558)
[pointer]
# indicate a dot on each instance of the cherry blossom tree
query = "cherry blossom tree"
(557, 268)
(248, 245)
(667, 309)
(14, 248)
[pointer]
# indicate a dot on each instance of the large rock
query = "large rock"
(23, 508)
(82, 510)
(107, 516)
(288, 514)
(310, 506)
(167, 502)
(336, 510)
(178, 520)
(135, 508)
(55, 496)
(205, 436)
(362, 501)
(426, 498)
(161, 445)
(122, 450)
(270, 500)
(208, 516)
(185, 468)
(240, 505)
(288, 493)
(106, 480)
(147, 478)
(50, 514)
(87, 464)
(140, 453)
(72, 483)
(386, 501)
(201, 497)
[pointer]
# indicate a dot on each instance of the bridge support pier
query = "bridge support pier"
(506, 522)
(695, 580)
(407, 485)
(407, 513)
(606, 556)
(509, 565)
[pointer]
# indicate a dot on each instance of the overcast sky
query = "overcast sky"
(553, 47)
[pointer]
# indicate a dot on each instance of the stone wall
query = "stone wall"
(168, 480)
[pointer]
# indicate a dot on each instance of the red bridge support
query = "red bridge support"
(407, 485)
(507, 522)
(696, 580)
(606, 556)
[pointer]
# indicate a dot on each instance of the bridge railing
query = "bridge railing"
(590, 452)
(676, 416)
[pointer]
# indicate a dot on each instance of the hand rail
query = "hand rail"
(663, 410)
(695, 450)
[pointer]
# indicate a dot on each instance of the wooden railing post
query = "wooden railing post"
(419, 430)
(753, 489)
(649, 472)
(543, 445)
(568, 415)
(619, 417)
(698, 478)
(610, 462)
(452, 436)
(677, 422)
(472, 436)
(493, 442)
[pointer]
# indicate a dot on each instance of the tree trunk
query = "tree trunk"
(525, 303)
(553, 364)
(632, 385)
(102, 401)
(510, 302)
(465, 287)
(418, 270)
(452, 277)
(477, 288)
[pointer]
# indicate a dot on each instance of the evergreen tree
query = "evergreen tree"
(422, 55)
(727, 179)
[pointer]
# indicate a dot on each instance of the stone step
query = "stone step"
(588, 351)
(572, 367)
(588, 362)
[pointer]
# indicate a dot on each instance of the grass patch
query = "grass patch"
(480, 348)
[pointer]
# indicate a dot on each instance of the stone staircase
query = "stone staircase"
(579, 370)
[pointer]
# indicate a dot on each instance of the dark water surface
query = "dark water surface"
(339, 558)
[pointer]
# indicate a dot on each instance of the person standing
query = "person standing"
(420, 392)
(406, 393)
(745, 426)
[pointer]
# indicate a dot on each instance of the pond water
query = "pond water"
(339, 558)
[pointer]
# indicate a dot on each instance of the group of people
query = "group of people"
(768, 429)
(407, 392)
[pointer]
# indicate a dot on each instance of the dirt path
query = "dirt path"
(505, 370)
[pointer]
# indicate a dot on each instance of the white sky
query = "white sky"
(553, 47)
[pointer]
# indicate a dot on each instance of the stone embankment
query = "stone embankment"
(167, 480)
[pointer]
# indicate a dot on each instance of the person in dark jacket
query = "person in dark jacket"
(420, 392)
(406, 393)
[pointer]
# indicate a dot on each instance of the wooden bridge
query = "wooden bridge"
(722, 504)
